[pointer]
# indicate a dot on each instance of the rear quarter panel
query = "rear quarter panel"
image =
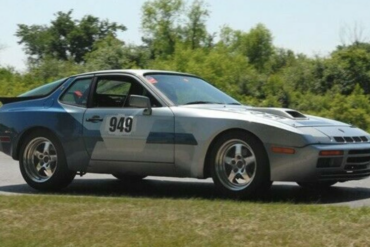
(18, 119)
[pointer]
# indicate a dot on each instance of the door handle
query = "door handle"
(94, 119)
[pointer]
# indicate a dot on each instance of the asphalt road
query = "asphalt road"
(353, 194)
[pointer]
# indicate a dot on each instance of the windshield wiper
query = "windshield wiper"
(209, 102)
(201, 102)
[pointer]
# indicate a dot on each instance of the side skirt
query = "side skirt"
(133, 168)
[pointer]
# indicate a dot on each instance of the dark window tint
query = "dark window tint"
(114, 91)
(111, 91)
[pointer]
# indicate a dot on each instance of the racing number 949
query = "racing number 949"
(121, 124)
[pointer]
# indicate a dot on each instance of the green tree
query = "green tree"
(106, 54)
(161, 25)
(300, 75)
(282, 58)
(111, 53)
(256, 44)
(137, 56)
(353, 109)
(348, 66)
(11, 82)
(168, 22)
(195, 32)
(65, 38)
(50, 69)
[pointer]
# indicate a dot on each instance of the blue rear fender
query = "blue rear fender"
(66, 126)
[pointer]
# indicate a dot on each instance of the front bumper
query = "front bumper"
(306, 164)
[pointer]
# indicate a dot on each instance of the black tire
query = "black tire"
(243, 173)
(43, 163)
(317, 185)
(128, 178)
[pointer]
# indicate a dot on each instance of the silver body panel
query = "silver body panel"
(102, 144)
(307, 141)
(207, 122)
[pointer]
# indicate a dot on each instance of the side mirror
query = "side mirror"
(140, 102)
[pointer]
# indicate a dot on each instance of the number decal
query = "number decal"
(113, 124)
(129, 121)
(120, 124)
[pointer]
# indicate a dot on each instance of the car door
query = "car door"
(114, 131)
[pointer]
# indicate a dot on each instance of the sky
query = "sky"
(312, 27)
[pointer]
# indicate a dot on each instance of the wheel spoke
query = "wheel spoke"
(48, 171)
(227, 160)
(46, 147)
(232, 176)
(53, 158)
(246, 176)
(37, 154)
(249, 160)
(41, 172)
(238, 150)
(39, 167)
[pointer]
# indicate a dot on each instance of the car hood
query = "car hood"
(283, 115)
(323, 130)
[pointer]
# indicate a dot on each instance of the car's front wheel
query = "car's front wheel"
(43, 164)
(239, 165)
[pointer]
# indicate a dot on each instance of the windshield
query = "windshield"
(43, 90)
(185, 90)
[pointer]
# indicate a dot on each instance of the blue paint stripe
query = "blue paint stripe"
(171, 138)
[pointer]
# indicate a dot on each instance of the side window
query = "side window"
(111, 92)
(114, 91)
(78, 93)
(113, 87)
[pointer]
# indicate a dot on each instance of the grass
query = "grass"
(50, 220)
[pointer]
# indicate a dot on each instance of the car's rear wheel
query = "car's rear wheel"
(317, 185)
(128, 178)
(239, 165)
(43, 164)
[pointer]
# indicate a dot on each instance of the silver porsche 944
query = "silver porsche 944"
(137, 123)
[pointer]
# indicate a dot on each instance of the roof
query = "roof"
(139, 72)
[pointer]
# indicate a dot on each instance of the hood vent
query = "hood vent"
(281, 112)
(296, 114)
(350, 139)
